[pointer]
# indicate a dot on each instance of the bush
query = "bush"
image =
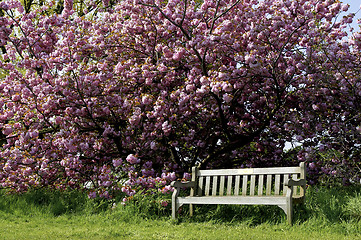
(149, 204)
(50, 201)
(352, 208)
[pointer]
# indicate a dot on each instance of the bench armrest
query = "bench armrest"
(178, 184)
(291, 182)
(177, 187)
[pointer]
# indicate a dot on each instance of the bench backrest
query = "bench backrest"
(247, 182)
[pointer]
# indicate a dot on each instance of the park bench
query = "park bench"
(280, 186)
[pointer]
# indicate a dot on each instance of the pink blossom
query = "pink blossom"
(167, 189)
(92, 195)
(187, 176)
(345, 7)
(117, 162)
(164, 203)
(178, 55)
(312, 165)
(132, 159)
(167, 53)
(173, 87)
(227, 98)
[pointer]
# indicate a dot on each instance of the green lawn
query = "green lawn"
(108, 227)
(328, 214)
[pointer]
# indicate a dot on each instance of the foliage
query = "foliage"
(149, 204)
(99, 91)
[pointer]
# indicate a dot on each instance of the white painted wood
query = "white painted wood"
(193, 190)
(194, 178)
(277, 184)
(221, 186)
(237, 185)
(200, 186)
(249, 200)
(214, 187)
(303, 176)
(260, 184)
(285, 179)
(295, 188)
(203, 179)
(269, 185)
(253, 183)
(244, 185)
(207, 188)
(229, 185)
(249, 171)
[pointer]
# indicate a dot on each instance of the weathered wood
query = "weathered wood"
(200, 186)
(244, 185)
(277, 184)
(193, 189)
(248, 171)
(295, 188)
(194, 178)
(285, 179)
(303, 176)
(207, 188)
(269, 185)
(260, 184)
(221, 186)
(214, 187)
(248, 200)
(204, 180)
(253, 185)
(229, 185)
(237, 185)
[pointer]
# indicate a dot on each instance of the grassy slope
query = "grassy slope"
(328, 214)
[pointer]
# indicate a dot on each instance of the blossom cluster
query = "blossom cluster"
(129, 95)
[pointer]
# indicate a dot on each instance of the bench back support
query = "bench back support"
(247, 182)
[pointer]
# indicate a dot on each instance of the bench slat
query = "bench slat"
(295, 188)
(253, 183)
(221, 186)
(269, 185)
(244, 185)
(260, 185)
(200, 186)
(285, 179)
(249, 200)
(302, 176)
(214, 187)
(237, 185)
(248, 171)
(208, 183)
(229, 185)
(277, 184)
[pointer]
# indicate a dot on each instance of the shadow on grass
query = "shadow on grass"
(252, 215)
(331, 204)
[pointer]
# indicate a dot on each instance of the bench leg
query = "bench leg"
(289, 212)
(288, 209)
(174, 209)
(190, 210)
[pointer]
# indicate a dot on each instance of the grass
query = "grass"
(329, 213)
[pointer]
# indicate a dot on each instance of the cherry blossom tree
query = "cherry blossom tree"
(99, 91)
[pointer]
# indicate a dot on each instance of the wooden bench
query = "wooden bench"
(281, 186)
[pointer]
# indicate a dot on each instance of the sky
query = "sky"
(354, 8)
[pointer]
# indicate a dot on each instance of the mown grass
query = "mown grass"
(329, 213)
